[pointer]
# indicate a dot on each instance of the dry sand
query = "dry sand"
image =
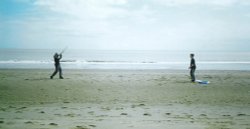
(124, 99)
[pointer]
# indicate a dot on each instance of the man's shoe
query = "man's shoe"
(51, 77)
(61, 77)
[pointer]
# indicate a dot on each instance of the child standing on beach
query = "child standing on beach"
(57, 58)
(192, 67)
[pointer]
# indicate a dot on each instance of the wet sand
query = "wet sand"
(124, 99)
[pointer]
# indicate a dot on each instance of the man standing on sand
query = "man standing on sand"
(192, 67)
(57, 58)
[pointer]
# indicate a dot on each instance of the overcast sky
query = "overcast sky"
(126, 24)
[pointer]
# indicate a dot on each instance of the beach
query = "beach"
(124, 99)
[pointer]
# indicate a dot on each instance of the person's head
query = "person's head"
(191, 55)
(56, 55)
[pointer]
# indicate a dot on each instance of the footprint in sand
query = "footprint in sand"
(53, 124)
(203, 115)
(81, 127)
(70, 115)
(28, 122)
(119, 108)
(58, 114)
(147, 114)
(92, 125)
(168, 114)
(91, 112)
(11, 106)
(124, 114)
(2, 109)
(42, 112)
(1, 122)
(21, 108)
(241, 114)
(140, 105)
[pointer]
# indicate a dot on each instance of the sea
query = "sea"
(131, 59)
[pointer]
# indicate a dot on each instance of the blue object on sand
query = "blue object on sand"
(202, 82)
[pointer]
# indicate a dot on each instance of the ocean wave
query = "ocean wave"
(116, 62)
(24, 62)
